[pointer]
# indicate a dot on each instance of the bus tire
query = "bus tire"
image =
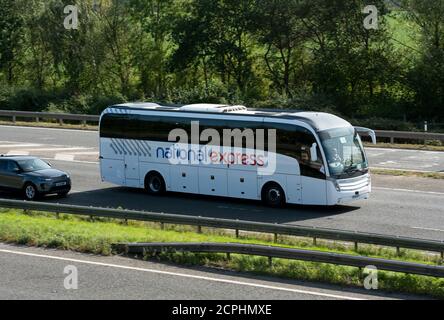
(154, 183)
(273, 195)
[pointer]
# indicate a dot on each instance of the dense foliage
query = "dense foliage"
(304, 54)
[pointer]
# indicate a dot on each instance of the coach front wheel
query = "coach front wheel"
(273, 195)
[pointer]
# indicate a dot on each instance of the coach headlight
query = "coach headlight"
(336, 184)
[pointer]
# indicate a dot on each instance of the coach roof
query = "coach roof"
(319, 121)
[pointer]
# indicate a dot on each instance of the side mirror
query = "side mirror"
(17, 170)
(314, 152)
(368, 132)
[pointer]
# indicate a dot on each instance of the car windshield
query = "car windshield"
(31, 165)
(344, 152)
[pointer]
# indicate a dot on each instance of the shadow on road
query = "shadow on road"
(197, 205)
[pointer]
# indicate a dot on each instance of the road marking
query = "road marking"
(407, 150)
(22, 145)
(64, 157)
(18, 153)
(408, 170)
(412, 191)
(92, 153)
(73, 161)
(59, 149)
(428, 229)
(176, 274)
(49, 129)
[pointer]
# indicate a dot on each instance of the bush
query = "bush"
(22, 99)
(26, 99)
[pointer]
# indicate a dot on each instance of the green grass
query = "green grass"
(80, 234)
(52, 125)
(424, 147)
(404, 173)
(405, 33)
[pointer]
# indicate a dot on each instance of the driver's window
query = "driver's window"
(12, 166)
(3, 165)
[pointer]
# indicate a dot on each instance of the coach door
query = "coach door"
(132, 165)
(314, 183)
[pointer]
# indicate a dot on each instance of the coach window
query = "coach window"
(243, 126)
(295, 142)
(213, 124)
(152, 128)
(112, 126)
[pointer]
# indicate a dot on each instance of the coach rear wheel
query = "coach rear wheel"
(273, 195)
(154, 184)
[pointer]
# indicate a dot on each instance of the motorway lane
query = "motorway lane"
(32, 273)
(394, 208)
(83, 146)
(399, 206)
(415, 160)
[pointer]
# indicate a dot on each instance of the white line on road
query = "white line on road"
(428, 229)
(256, 285)
(407, 150)
(398, 169)
(73, 161)
(18, 153)
(64, 157)
(49, 129)
(60, 149)
(22, 145)
(412, 191)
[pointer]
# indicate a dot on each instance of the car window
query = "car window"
(3, 165)
(31, 165)
(11, 166)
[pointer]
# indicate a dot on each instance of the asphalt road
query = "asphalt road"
(411, 207)
(429, 161)
(31, 273)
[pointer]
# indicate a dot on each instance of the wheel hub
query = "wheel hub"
(30, 192)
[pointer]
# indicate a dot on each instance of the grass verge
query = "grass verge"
(404, 173)
(80, 234)
(407, 146)
(51, 125)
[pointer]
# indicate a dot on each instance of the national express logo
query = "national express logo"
(236, 147)
(186, 155)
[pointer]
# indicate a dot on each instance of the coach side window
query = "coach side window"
(247, 130)
(296, 142)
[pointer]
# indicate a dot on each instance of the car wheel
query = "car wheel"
(273, 195)
(154, 184)
(30, 192)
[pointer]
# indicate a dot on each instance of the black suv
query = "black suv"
(32, 176)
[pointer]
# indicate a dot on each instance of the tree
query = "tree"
(217, 33)
(427, 76)
(280, 28)
(152, 49)
(11, 36)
